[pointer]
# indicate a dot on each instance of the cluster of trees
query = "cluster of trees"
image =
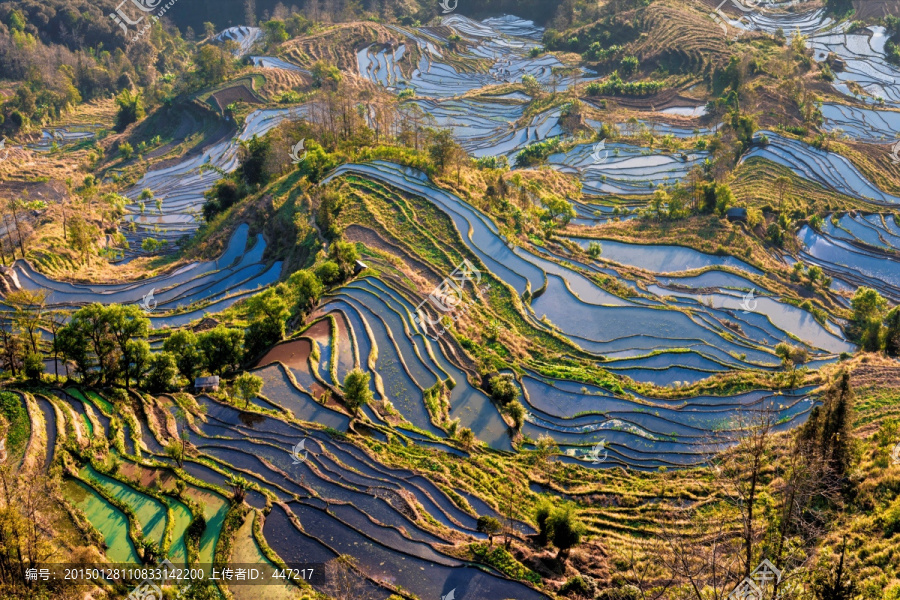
(873, 326)
(505, 391)
(614, 85)
(65, 53)
(108, 344)
(538, 152)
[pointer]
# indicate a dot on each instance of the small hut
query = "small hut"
(207, 384)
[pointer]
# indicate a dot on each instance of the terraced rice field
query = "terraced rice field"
(180, 187)
(651, 316)
(169, 298)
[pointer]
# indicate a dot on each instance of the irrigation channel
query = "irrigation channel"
(690, 322)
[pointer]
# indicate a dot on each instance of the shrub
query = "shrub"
(131, 109)
(492, 162)
(356, 390)
(515, 410)
(629, 65)
(152, 245)
(538, 152)
(328, 272)
(504, 562)
(542, 517)
(577, 586)
(504, 389)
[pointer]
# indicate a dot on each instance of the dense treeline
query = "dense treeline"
(108, 345)
(66, 53)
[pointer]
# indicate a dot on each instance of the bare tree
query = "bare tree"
(28, 306)
(738, 473)
(645, 569)
(701, 550)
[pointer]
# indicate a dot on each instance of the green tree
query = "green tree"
(331, 202)
(782, 185)
(213, 64)
(837, 426)
(73, 345)
(127, 323)
(566, 530)
(595, 249)
(325, 75)
(838, 585)
(182, 345)
(559, 209)
(33, 365)
(239, 487)
(138, 362)
(28, 310)
(503, 388)
(892, 332)
(442, 148)
(175, 451)
(658, 201)
(517, 412)
(253, 156)
(344, 254)
(545, 449)
(489, 525)
(865, 325)
(222, 348)
(276, 32)
(162, 372)
(356, 390)
(130, 108)
(629, 65)
(268, 312)
(151, 245)
(542, 512)
(97, 337)
(328, 272)
(466, 437)
(247, 386)
(307, 288)
(81, 236)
